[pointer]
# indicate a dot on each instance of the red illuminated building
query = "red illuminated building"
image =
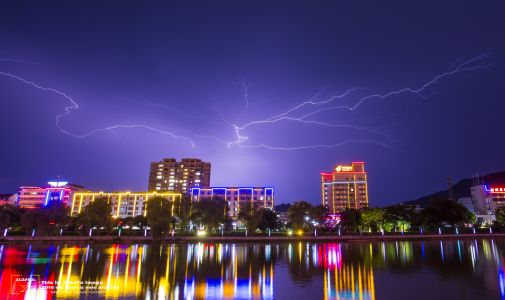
(345, 187)
(33, 197)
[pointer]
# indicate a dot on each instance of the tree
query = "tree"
(298, 214)
(159, 215)
(268, 220)
(500, 216)
(140, 221)
(45, 220)
(97, 215)
(350, 220)
(399, 216)
(183, 213)
(250, 216)
(318, 213)
(209, 213)
(373, 218)
(10, 215)
(440, 212)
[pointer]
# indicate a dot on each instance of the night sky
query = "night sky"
(270, 93)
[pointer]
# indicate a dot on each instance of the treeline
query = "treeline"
(164, 218)
(438, 213)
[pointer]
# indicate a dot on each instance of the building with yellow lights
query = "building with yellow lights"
(123, 204)
(345, 187)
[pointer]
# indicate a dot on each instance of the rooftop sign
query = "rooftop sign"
(343, 169)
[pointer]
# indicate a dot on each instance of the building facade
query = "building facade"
(497, 193)
(123, 204)
(345, 187)
(482, 200)
(8, 199)
(35, 197)
(236, 197)
(171, 175)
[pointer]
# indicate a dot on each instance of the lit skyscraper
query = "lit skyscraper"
(345, 188)
(170, 175)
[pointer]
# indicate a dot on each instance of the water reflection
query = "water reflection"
(216, 271)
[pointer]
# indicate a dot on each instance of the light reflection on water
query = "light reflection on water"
(243, 271)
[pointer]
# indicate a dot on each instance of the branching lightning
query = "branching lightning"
(473, 64)
(305, 113)
(73, 106)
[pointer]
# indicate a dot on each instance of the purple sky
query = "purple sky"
(270, 93)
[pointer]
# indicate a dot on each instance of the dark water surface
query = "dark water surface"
(465, 269)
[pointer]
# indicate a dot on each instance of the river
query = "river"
(449, 269)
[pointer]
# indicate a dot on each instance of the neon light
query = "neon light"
(495, 189)
(73, 203)
(57, 183)
(344, 169)
(47, 197)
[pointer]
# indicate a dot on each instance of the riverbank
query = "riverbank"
(244, 239)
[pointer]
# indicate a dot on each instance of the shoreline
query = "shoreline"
(244, 239)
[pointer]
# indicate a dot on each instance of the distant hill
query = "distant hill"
(461, 189)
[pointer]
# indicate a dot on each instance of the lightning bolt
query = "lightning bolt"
(73, 106)
(472, 64)
(304, 113)
(312, 147)
(245, 86)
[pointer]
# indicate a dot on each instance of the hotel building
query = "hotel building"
(34, 197)
(123, 204)
(171, 175)
(236, 197)
(345, 188)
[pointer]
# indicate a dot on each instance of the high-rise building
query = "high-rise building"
(171, 175)
(237, 198)
(34, 197)
(345, 187)
(123, 204)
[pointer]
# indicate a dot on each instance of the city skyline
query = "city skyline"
(270, 103)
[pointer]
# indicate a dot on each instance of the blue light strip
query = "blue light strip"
(47, 196)
(61, 195)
